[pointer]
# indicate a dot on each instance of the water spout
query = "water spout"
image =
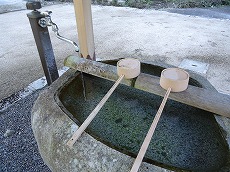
(83, 86)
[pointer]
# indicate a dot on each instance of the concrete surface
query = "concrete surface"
(12, 5)
(119, 33)
(30, 89)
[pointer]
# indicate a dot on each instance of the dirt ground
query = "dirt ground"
(119, 32)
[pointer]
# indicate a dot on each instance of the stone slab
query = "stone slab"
(196, 66)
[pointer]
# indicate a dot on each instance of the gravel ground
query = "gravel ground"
(18, 148)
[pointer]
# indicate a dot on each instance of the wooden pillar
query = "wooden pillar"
(85, 28)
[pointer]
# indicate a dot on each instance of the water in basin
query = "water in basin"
(186, 138)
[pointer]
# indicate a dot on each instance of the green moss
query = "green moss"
(185, 137)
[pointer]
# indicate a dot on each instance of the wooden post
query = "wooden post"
(85, 28)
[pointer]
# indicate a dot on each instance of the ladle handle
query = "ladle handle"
(149, 135)
(82, 128)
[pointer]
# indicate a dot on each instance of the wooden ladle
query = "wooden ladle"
(126, 68)
(172, 79)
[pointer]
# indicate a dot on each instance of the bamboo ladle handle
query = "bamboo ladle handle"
(128, 68)
(149, 135)
(85, 124)
(172, 79)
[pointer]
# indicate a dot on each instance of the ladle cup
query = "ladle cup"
(126, 68)
(172, 79)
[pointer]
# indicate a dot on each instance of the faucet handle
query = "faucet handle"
(33, 5)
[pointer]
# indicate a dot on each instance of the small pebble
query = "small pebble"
(8, 133)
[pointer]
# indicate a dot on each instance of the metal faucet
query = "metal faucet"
(46, 21)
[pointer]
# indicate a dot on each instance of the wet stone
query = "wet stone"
(186, 138)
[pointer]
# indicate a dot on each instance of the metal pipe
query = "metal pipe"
(43, 42)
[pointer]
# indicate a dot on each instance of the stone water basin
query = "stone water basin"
(186, 138)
